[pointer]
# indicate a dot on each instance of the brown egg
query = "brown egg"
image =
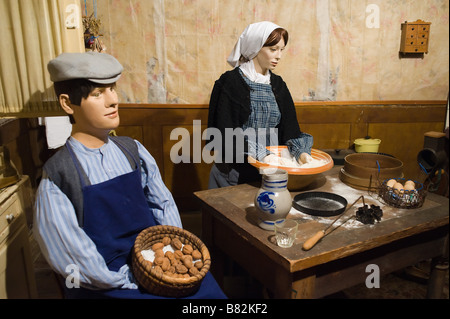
(398, 188)
(391, 182)
(410, 182)
(410, 185)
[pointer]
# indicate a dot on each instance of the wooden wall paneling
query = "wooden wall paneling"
(329, 136)
(333, 120)
(401, 129)
(133, 131)
(182, 179)
(404, 141)
(179, 118)
(185, 178)
(153, 139)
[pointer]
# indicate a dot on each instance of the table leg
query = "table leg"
(288, 287)
(217, 256)
(435, 288)
(304, 288)
(439, 268)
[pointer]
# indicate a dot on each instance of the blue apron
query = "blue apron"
(115, 212)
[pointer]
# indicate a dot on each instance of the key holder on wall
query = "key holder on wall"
(415, 38)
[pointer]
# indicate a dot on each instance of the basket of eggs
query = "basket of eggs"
(402, 193)
(169, 261)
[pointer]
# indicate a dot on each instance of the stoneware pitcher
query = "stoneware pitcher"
(273, 200)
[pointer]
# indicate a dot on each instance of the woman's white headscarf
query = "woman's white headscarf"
(251, 41)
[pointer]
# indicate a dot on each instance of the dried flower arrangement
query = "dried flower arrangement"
(92, 41)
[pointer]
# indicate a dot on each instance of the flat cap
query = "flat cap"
(94, 66)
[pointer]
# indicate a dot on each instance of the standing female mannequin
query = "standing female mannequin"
(253, 98)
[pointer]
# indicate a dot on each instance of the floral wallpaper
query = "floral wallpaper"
(174, 50)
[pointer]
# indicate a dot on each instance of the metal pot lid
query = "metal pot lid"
(320, 203)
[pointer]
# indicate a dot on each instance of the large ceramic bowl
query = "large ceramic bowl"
(298, 177)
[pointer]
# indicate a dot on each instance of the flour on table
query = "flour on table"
(349, 223)
(351, 195)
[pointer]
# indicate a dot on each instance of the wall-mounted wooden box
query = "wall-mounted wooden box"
(415, 37)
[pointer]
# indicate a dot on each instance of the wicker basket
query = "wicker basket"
(163, 285)
(407, 199)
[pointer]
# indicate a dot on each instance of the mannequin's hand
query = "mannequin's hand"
(272, 159)
(304, 158)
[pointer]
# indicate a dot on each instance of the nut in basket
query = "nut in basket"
(400, 197)
(176, 273)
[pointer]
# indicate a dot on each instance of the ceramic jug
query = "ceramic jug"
(273, 200)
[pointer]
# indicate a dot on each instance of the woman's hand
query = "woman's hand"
(304, 158)
(272, 159)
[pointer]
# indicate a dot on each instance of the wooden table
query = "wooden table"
(402, 238)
